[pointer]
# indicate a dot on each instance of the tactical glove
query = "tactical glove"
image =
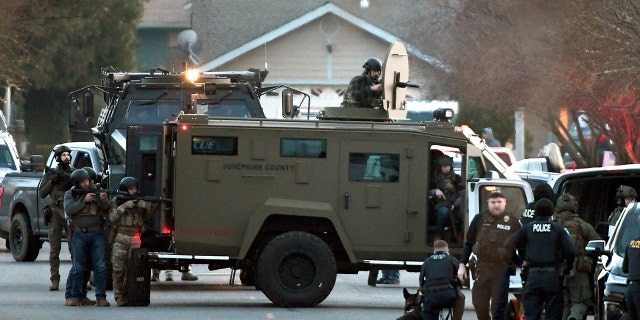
(127, 205)
(142, 204)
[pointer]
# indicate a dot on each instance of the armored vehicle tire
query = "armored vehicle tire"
(24, 246)
(296, 269)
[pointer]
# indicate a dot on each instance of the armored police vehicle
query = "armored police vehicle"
(293, 203)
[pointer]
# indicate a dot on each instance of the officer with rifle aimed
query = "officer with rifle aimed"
(54, 184)
(127, 216)
(87, 212)
(85, 301)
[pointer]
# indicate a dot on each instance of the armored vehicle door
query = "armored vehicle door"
(373, 192)
(144, 159)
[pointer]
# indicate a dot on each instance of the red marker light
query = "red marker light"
(184, 127)
(166, 230)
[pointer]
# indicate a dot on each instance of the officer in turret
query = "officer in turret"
(624, 196)
(543, 244)
(54, 184)
(631, 265)
(487, 232)
(365, 90)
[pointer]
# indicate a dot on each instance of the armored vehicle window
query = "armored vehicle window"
(475, 168)
(367, 167)
(303, 148)
(516, 199)
(227, 108)
(224, 146)
(151, 112)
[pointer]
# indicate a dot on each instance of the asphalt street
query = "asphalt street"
(25, 295)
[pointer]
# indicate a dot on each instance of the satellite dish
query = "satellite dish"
(187, 40)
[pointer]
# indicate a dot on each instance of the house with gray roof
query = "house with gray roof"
(314, 46)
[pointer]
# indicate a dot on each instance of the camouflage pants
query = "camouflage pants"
(577, 296)
(122, 246)
(57, 225)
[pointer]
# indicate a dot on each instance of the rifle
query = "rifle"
(58, 176)
(77, 192)
(125, 196)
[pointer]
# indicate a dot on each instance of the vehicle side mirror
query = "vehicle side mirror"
(595, 248)
(87, 105)
(287, 103)
(34, 164)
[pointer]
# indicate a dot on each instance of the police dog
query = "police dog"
(412, 306)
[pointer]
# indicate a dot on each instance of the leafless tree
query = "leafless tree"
(558, 58)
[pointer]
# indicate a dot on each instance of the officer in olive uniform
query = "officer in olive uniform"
(487, 232)
(54, 183)
(364, 90)
(127, 220)
(543, 244)
(631, 265)
(440, 284)
(624, 196)
(87, 212)
(444, 194)
(577, 292)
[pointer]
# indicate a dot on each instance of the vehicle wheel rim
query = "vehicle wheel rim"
(297, 271)
(17, 238)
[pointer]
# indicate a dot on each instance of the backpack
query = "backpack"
(574, 226)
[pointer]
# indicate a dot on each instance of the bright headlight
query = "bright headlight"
(192, 75)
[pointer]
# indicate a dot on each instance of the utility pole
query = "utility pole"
(519, 124)
(7, 106)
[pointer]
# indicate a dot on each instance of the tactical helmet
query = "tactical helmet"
(567, 202)
(128, 182)
(92, 173)
(626, 192)
(79, 175)
(372, 64)
(59, 150)
(444, 161)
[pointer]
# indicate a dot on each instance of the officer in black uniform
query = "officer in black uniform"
(440, 284)
(543, 244)
(486, 235)
(631, 264)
